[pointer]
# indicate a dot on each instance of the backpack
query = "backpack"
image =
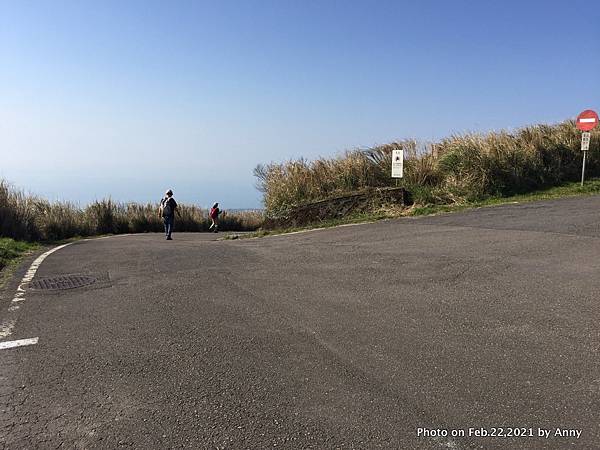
(167, 209)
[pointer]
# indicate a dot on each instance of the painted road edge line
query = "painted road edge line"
(8, 324)
(36, 264)
(6, 327)
(18, 343)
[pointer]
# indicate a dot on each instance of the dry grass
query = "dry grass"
(459, 168)
(31, 218)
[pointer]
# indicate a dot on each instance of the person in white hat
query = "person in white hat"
(168, 206)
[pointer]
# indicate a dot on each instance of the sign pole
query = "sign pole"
(583, 167)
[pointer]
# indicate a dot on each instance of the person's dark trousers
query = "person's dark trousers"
(169, 220)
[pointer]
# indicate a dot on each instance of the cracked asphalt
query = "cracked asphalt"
(353, 337)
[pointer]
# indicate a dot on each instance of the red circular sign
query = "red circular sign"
(587, 120)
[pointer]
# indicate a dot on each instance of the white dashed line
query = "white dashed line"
(8, 324)
(19, 343)
(6, 327)
(36, 264)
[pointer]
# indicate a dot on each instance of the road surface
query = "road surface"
(353, 337)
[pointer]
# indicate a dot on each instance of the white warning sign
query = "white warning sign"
(397, 163)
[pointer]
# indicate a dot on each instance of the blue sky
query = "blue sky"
(128, 98)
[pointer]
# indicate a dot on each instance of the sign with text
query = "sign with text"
(585, 141)
(397, 163)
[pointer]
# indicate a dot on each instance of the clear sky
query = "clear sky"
(127, 98)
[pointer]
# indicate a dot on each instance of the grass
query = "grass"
(459, 169)
(31, 218)
(12, 251)
(571, 189)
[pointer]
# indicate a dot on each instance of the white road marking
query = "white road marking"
(107, 237)
(35, 266)
(6, 328)
(308, 230)
(19, 343)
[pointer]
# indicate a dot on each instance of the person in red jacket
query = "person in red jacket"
(214, 216)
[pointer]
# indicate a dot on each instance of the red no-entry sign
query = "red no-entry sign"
(587, 120)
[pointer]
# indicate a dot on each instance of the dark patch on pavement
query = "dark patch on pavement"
(61, 282)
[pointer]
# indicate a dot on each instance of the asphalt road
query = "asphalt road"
(353, 337)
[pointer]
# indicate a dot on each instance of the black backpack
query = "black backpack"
(167, 208)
